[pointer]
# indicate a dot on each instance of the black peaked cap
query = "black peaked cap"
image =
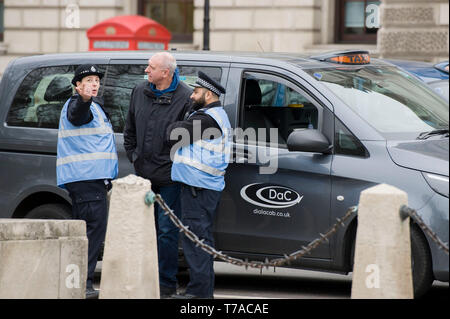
(85, 70)
(206, 82)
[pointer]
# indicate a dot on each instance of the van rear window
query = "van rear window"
(122, 78)
(41, 96)
(44, 91)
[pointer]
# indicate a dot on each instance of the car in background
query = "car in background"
(435, 75)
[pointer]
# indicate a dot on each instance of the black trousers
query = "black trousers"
(198, 212)
(89, 203)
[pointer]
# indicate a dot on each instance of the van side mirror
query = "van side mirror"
(308, 140)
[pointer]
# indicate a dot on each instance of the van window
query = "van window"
(188, 74)
(345, 143)
(122, 78)
(269, 102)
(120, 81)
(39, 100)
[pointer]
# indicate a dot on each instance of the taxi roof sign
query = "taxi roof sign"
(345, 57)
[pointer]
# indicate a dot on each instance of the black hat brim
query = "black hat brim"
(196, 85)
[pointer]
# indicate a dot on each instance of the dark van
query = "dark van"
(342, 123)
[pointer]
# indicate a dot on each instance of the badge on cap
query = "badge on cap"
(93, 69)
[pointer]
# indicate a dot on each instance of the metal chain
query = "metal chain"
(287, 259)
(406, 211)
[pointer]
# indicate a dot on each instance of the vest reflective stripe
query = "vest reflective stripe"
(85, 131)
(218, 148)
(87, 152)
(85, 157)
(202, 167)
(203, 163)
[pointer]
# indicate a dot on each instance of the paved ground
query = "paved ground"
(233, 282)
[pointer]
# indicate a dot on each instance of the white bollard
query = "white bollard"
(43, 259)
(130, 259)
(382, 264)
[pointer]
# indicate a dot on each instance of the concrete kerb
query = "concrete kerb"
(43, 259)
(382, 264)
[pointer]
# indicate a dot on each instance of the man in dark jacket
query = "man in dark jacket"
(154, 105)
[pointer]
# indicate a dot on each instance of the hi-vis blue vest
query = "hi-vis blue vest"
(203, 163)
(86, 152)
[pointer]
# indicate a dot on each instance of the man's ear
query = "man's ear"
(211, 95)
(167, 71)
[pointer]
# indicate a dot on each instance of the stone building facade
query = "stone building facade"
(263, 25)
(414, 29)
(411, 29)
(52, 26)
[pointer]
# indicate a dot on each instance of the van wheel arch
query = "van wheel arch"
(38, 199)
(50, 211)
(421, 261)
(349, 242)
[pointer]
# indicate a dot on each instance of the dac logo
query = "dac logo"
(270, 196)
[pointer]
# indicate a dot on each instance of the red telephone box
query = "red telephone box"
(131, 32)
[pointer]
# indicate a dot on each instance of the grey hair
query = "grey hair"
(167, 61)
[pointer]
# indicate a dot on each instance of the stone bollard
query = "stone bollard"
(130, 259)
(382, 264)
(43, 259)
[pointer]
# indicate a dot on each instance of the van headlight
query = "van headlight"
(438, 183)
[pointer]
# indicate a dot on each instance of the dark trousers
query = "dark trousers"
(168, 235)
(198, 211)
(89, 203)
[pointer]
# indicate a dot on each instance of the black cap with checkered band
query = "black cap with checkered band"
(85, 70)
(206, 82)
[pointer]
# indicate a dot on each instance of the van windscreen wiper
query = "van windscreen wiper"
(425, 135)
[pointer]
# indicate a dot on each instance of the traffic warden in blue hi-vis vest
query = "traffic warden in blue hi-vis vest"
(87, 160)
(199, 164)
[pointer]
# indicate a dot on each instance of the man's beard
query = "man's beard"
(200, 103)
